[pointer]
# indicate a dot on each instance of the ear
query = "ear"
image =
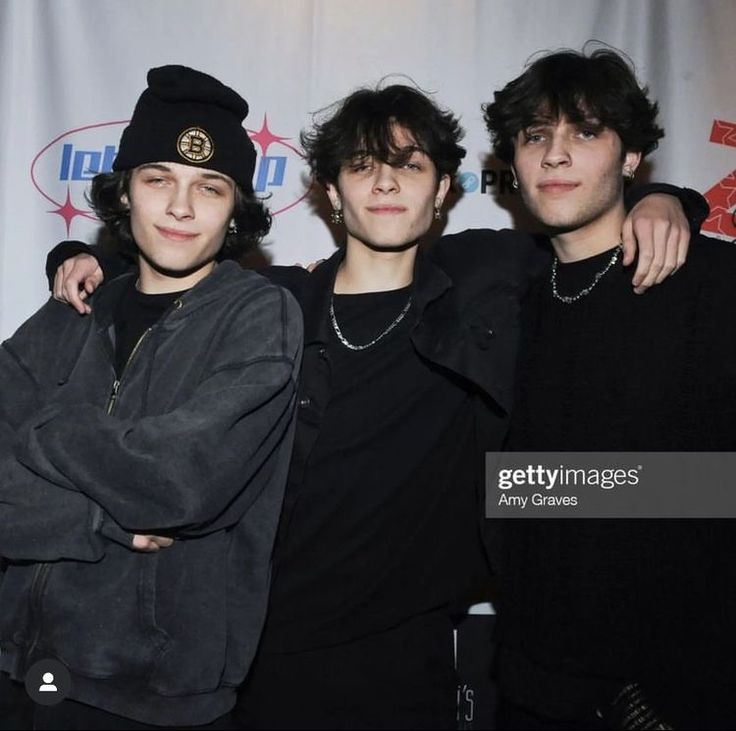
(334, 195)
(630, 164)
(443, 186)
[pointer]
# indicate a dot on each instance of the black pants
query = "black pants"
(514, 718)
(16, 708)
(401, 678)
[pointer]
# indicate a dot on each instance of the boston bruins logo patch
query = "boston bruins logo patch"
(195, 145)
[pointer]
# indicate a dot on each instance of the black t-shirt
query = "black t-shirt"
(134, 313)
(385, 524)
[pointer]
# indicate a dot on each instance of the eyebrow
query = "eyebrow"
(402, 155)
(405, 150)
(154, 166)
(215, 176)
(552, 122)
(166, 169)
(542, 120)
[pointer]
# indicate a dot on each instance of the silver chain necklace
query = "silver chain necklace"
(350, 345)
(569, 299)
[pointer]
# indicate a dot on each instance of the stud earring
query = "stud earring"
(232, 227)
(336, 216)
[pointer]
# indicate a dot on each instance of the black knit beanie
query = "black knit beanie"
(189, 117)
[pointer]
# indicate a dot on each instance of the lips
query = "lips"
(386, 210)
(557, 186)
(175, 235)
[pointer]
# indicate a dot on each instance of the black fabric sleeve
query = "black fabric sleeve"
(112, 265)
(694, 205)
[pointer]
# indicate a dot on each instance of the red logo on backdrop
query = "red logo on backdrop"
(61, 171)
(722, 196)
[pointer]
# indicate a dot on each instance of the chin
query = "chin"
(391, 245)
(560, 225)
(176, 268)
(559, 221)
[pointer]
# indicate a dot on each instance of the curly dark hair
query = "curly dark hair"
(252, 218)
(364, 123)
(601, 86)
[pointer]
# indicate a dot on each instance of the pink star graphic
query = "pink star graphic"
(264, 137)
(68, 211)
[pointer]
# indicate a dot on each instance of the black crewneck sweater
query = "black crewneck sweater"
(587, 604)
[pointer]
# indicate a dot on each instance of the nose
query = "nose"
(180, 203)
(556, 152)
(386, 180)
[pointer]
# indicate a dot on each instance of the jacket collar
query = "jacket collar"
(214, 286)
(429, 283)
(316, 298)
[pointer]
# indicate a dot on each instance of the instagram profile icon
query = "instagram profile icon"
(47, 682)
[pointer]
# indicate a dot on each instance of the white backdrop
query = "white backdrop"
(71, 71)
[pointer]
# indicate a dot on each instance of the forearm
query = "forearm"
(18, 391)
(694, 205)
(186, 469)
(112, 265)
(186, 463)
(40, 521)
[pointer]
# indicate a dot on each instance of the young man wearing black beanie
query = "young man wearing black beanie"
(167, 414)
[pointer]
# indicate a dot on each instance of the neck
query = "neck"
(368, 270)
(155, 281)
(591, 239)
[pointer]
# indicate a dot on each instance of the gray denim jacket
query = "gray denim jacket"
(193, 441)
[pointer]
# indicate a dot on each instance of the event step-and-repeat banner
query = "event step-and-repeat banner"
(71, 71)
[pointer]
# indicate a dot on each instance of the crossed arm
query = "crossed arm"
(39, 520)
(72, 477)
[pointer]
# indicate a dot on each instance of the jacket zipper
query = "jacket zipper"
(38, 585)
(116, 383)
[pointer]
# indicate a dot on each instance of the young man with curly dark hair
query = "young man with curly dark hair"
(612, 623)
(144, 449)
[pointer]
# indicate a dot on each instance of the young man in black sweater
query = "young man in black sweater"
(600, 619)
(380, 534)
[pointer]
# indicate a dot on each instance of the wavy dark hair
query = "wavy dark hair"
(600, 87)
(363, 123)
(252, 218)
